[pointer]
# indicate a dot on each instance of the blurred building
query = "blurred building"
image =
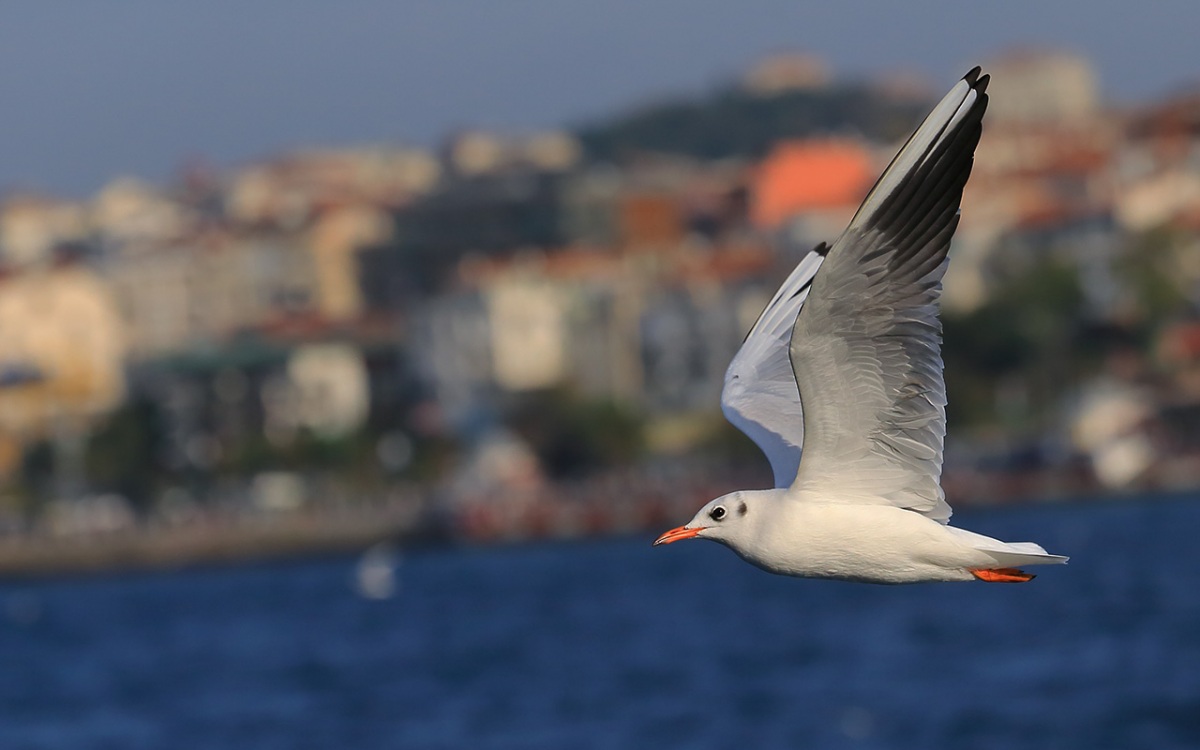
(128, 210)
(476, 152)
(655, 203)
(62, 352)
(204, 287)
(529, 333)
(1042, 187)
(1109, 427)
(287, 191)
(533, 321)
(200, 289)
(786, 72)
(31, 227)
(1041, 86)
(1158, 168)
(335, 239)
(654, 331)
(324, 388)
(485, 214)
(900, 84)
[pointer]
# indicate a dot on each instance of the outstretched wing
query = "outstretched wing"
(866, 348)
(760, 397)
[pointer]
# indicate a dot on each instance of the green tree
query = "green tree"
(1149, 265)
(124, 454)
(1025, 334)
(573, 435)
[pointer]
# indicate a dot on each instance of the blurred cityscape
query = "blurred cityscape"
(518, 336)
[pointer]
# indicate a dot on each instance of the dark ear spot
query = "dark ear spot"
(742, 508)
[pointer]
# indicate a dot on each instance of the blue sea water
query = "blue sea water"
(613, 644)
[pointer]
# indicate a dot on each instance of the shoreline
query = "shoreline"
(293, 536)
(187, 547)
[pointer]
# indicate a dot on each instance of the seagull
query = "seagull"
(843, 369)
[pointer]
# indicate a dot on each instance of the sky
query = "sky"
(94, 90)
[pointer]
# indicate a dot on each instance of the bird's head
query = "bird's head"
(724, 520)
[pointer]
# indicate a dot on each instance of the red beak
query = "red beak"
(674, 535)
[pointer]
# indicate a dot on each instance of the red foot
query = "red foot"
(1002, 575)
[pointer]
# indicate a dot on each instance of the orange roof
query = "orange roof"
(726, 264)
(800, 176)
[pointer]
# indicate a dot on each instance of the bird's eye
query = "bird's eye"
(717, 513)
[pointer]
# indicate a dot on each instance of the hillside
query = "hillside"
(734, 122)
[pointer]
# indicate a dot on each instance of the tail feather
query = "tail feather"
(1009, 554)
(1016, 559)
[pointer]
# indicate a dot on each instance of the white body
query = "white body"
(866, 543)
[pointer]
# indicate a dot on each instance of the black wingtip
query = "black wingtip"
(977, 81)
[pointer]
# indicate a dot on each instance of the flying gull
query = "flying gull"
(844, 369)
